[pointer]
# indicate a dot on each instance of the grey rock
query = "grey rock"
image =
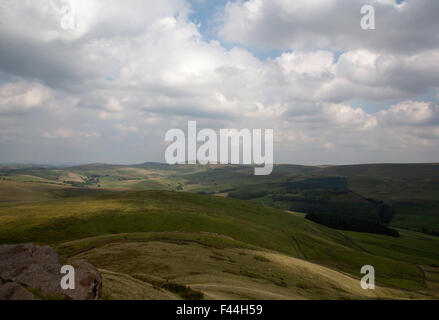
(28, 272)
(88, 281)
(14, 291)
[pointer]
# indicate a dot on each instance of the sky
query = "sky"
(84, 81)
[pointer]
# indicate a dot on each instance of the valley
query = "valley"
(161, 232)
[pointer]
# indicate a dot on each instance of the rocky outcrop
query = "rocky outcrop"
(29, 272)
(14, 291)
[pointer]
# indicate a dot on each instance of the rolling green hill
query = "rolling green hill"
(158, 242)
(396, 195)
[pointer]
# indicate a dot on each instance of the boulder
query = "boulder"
(29, 272)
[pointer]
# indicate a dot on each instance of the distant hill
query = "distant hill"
(395, 195)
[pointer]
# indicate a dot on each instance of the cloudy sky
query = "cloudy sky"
(86, 81)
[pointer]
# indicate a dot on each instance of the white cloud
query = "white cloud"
(313, 63)
(58, 134)
(69, 20)
(138, 68)
(127, 129)
(64, 133)
(410, 113)
(22, 96)
(348, 116)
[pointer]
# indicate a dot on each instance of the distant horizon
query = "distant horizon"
(67, 165)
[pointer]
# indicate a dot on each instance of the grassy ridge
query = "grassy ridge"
(212, 265)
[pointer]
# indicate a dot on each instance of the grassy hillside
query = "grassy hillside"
(183, 265)
(411, 191)
(103, 225)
